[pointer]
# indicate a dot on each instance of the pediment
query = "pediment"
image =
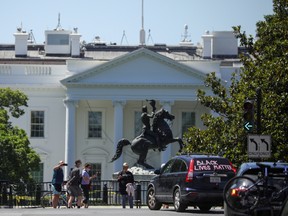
(141, 67)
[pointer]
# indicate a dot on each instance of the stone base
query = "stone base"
(139, 174)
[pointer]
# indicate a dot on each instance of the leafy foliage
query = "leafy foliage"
(16, 156)
(264, 68)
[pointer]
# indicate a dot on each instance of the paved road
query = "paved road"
(104, 211)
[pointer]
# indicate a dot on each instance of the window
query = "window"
(37, 175)
(58, 39)
(178, 166)
(137, 123)
(94, 124)
(167, 167)
(37, 124)
(188, 120)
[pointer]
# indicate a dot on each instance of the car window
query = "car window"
(178, 166)
(183, 167)
(167, 167)
(271, 172)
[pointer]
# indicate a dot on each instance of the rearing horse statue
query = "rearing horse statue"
(141, 144)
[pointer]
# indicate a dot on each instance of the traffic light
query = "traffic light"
(248, 115)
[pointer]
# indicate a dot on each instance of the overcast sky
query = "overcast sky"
(109, 19)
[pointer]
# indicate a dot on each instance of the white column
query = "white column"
(166, 155)
(118, 130)
(70, 131)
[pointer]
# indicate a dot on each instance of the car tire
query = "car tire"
(152, 202)
(204, 207)
(178, 205)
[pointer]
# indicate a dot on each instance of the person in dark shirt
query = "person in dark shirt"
(126, 178)
(57, 181)
(74, 189)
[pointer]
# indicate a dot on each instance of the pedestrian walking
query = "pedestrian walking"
(74, 189)
(126, 180)
(86, 184)
(57, 181)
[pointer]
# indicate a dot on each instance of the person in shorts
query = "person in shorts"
(74, 189)
(57, 181)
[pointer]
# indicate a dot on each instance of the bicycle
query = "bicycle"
(245, 195)
(46, 199)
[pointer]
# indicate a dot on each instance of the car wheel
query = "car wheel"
(152, 203)
(204, 207)
(178, 205)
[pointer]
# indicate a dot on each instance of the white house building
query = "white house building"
(84, 98)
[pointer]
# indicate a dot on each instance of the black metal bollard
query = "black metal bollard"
(105, 194)
(137, 196)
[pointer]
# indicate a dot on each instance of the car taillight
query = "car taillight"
(234, 192)
(237, 192)
(189, 176)
(233, 168)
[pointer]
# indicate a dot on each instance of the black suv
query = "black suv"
(190, 180)
(259, 188)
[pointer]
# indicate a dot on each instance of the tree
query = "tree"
(264, 67)
(17, 158)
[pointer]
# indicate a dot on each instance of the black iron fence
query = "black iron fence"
(104, 192)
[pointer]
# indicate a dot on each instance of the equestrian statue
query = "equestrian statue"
(157, 137)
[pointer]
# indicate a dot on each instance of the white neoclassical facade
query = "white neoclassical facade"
(81, 104)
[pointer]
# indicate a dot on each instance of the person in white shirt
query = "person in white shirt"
(86, 184)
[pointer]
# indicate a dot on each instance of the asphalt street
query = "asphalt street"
(104, 211)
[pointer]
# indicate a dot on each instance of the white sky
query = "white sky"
(110, 18)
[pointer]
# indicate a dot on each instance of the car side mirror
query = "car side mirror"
(157, 171)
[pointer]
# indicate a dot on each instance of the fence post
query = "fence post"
(105, 194)
(38, 194)
(4, 193)
(138, 196)
(10, 196)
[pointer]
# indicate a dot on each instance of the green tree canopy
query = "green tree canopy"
(17, 158)
(265, 66)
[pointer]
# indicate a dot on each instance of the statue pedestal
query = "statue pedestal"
(139, 174)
